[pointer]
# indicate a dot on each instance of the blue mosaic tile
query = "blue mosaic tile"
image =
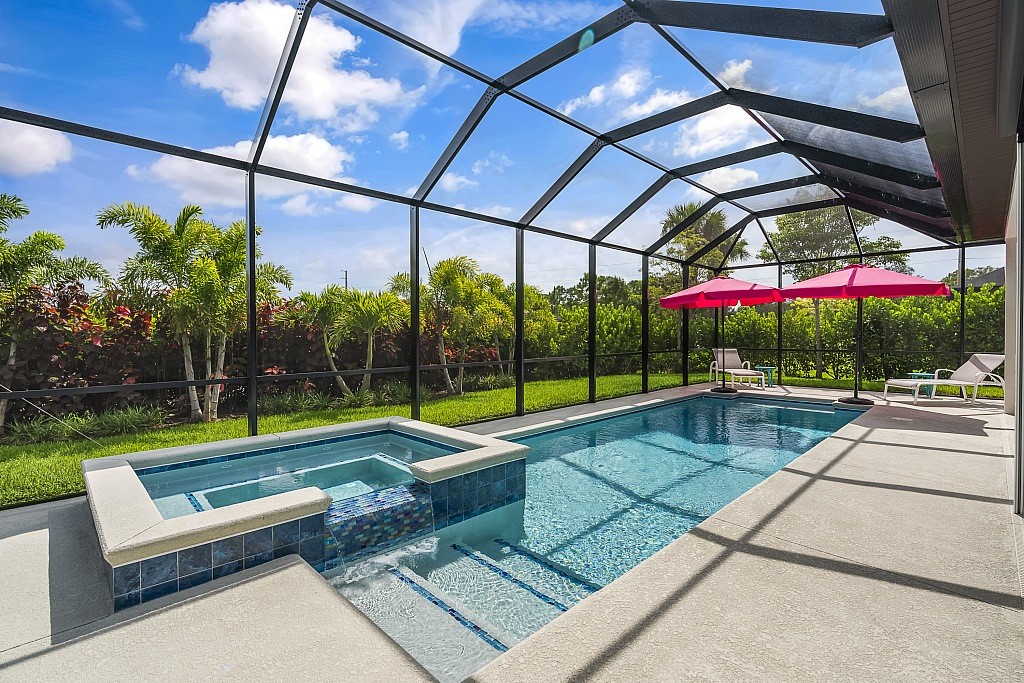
(159, 590)
(260, 541)
(227, 569)
(197, 559)
(227, 550)
(439, 489)
(196, 579)
(127, 600)
(292, 549)
(311, 527)
(256, 560)
(312, 550)
(194, 502)
(127, 578)
(286, 534)
(157, 570)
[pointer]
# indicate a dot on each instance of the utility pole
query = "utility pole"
(346, 279)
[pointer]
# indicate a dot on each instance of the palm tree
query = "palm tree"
(32, 262)
(706, 229)
(192, 273)
(366, 313)
(322, 311)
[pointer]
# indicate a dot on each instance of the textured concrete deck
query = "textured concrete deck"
(886, 552)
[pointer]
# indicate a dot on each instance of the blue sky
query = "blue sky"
(363, 109)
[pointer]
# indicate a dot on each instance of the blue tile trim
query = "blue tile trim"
(487, 564)
(196, 505)
(176, 571)
(529, 554)
(291, 447)
(454, 613)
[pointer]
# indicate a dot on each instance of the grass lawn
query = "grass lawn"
(38, 472)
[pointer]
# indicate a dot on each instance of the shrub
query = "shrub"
(41, 429)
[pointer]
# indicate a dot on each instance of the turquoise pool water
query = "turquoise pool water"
(601, 497)
(344, 466)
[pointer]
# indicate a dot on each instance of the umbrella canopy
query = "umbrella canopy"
(861, 280)
(722, 291)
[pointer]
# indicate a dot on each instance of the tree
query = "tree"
(32, 262)
(366, 313)
(668, 276)
(323, 311)
(817, 238)
(953, 279)
(192, 275)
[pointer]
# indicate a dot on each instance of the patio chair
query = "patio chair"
(736, 369)
(978, 371)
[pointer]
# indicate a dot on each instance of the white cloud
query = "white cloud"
(299, 205)
(453, 182)
(495, 161)
(595, 97)
(659, 100)
(28, 150)
(895, 100)
(244, 41)
(497, 210)
(728, 178)
(400, 140)
(356, 202)
(129, 17)
(734, 73)
(720, 129)
(632, 82)
(588, 226)
(6, 68)
(214, 185)
(441, 23)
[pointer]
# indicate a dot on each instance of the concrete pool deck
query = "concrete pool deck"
(885, 552)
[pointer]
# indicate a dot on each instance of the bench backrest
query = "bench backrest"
(979, 362)
(732, 359)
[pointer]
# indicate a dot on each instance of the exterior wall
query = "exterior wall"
(1013, 219)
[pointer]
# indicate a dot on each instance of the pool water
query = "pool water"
(600, 498)
(358, 464)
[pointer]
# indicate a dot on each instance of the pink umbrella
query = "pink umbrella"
(856, 282)
(722, 291)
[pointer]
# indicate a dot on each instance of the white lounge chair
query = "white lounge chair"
(978, 371)
(736, 369)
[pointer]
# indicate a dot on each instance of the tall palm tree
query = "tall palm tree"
(34, 261)
(192, 273)
(323, 312)
(366, 313)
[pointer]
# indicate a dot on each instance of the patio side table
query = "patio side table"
(769, 374)
(929, 389)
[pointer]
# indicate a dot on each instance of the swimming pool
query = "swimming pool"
(601, 497)
(344, 467)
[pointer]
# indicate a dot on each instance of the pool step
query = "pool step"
(432, 627)
(495, 596)
(546, 574)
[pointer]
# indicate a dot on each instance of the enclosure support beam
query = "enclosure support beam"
(592, 324)
(682, 225)
(685, 351)
(713, 244)
(813, 26)
(520, 322)
(645, 325)
(778, 333)
(962, 286)
(251, 333)
(853, 231)
(414, 311)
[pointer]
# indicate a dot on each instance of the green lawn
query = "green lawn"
(38, 472)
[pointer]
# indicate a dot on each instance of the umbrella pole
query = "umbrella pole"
(856, 399)
(721, 339)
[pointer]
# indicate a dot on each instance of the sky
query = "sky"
(363, 109)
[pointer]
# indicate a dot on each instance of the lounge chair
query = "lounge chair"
(978, 371)
(735, 368)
